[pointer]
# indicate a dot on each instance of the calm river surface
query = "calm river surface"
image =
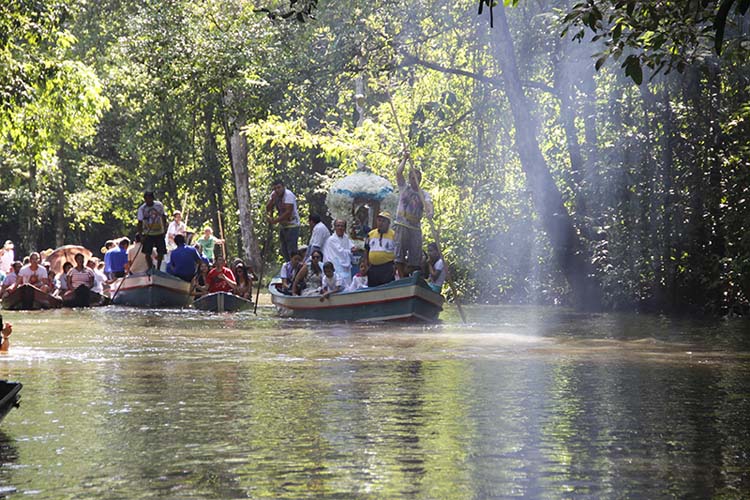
(522, 402)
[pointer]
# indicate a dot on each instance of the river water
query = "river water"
(522, 402)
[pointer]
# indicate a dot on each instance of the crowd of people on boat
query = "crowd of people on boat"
(330, 263)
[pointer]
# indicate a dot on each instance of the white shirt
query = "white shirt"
(358, 282)
(99, 280)
(332, 284)
(10, 279)
(289, 199)
(26, 273)
(6, 260)
(439, 266)
(320, 235)
(338, 251)
(152, 218)
(173, 230)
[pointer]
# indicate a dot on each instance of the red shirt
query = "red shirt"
(217, 285)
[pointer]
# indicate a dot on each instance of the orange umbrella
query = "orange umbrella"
(66, 253)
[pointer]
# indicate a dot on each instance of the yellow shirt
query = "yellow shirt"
(381, 247)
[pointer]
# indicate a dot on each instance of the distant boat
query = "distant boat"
(29, 297)
(222, 302)
(151, 289)
(409, 299)
(9, 396)
(85, 297)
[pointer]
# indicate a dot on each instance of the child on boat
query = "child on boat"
(331, 282)
(360, 279)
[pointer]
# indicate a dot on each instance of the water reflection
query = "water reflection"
(522, 402)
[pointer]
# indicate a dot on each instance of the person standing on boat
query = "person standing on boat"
(208, 243)
(338, 251)
(380, 251)
(221, 278)
(7, 256)
(287, 218)
(184, 260)
(152, 224)
(175, 227)
(34, 274)
(319, 236)
(413, 202)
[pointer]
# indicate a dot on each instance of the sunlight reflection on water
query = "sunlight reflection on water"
(522, 402)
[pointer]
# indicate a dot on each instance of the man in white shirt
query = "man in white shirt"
(287, 218)
(34, 274)
(338, 251)
(318, 237)
(175, 227)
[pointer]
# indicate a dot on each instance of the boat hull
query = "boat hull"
(28, 297)
(84, 297)
(222, 302)
(151, 290)
(9, 396)
(409, 299)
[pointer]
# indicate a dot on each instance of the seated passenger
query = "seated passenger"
(199, 285)
(436, 267)
(360, 279)
(184, 260)
(221, 278)
(288, 271)
(309, 279)
(34, 274)
(79, 275)
(9, 283)
(61, 282)
(244, 280)
(332, 283)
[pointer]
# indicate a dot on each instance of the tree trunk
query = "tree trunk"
(567, 247)
(236, 144)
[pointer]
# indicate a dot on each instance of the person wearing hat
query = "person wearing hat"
(7, 256)
(152, 224)
(379, 248)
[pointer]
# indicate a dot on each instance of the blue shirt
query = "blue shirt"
(183, 261)
(115, 260)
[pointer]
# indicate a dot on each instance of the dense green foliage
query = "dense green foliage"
(115, 96)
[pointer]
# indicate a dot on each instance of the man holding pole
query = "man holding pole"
(152, 224)
(287, 218)
(413, 202)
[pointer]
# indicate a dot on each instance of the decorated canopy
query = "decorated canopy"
(359, 197)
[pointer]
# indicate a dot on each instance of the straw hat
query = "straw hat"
(385, 215)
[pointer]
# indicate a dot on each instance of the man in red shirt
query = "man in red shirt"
(220, 278)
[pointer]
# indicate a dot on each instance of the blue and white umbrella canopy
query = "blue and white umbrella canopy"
(362, 186)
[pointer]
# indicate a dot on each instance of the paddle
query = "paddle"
(262, 268)
(435, 235)
(221, 235)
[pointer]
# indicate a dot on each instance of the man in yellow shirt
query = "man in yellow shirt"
(380, 251)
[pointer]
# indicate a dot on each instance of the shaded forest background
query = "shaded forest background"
(592, 154)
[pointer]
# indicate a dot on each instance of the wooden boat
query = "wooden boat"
(409, 299)
(84, 297)
(9, 396)
(151, 289)
(222, 302)
(29, 297)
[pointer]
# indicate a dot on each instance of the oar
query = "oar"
(262, 268)
(221, 235)
(435, 235)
